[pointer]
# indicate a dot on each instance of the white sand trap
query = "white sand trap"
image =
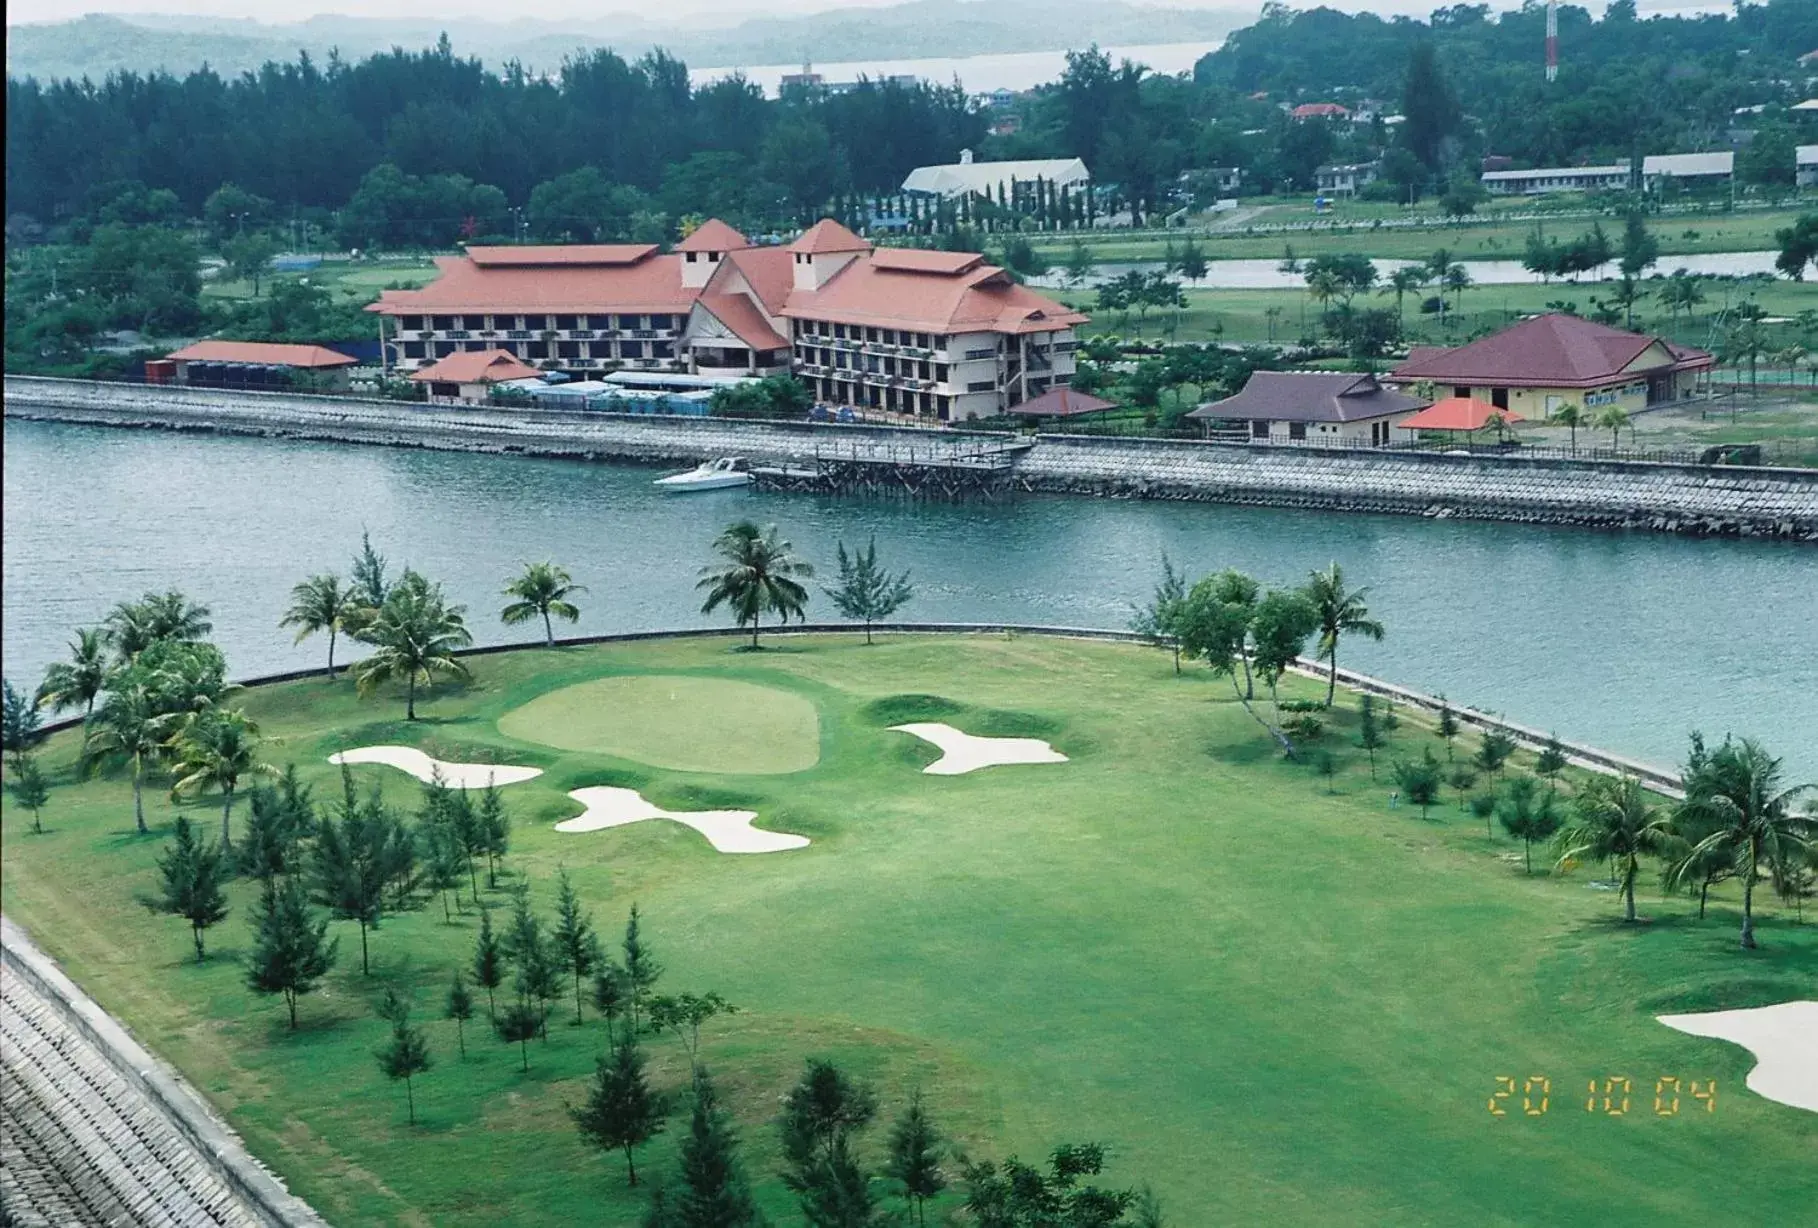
(1784, 1040)
(962, 752)
(424, 768)
(729, 831)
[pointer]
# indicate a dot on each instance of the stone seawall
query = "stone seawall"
(1779, 503)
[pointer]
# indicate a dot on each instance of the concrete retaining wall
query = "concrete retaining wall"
(1781, 503)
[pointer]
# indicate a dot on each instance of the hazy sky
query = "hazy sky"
(583, 10)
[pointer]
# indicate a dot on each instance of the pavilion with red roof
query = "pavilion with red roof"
(1458, 414)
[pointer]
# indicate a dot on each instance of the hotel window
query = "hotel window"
(871, 334)
(1297, 430)
(940, 372)
(871, 363)
(537, 349)
(414, 323)
(567, 323)
(442, 322)
(444, 348)
(631, 349)
(662, 349)
(661, 322)
(413, 349)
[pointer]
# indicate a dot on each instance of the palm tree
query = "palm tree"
(1572, 415)
(133, 626)
(1341, 612)
(320, 603)
(1615, 820)
(1736, 791)
(1457, 279)
(416, 633)
(760, 573)
(1406, 280)
(216, 752)
(80, 679)
(1612, 418)
(543, 589)
(129, 727)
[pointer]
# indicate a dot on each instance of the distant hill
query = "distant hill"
(98, 44)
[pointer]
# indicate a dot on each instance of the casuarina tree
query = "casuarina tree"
(621, 1113)
(1528, 813)
(866, 591)
(405, 1055)
(713, 1192)
(291, 950)
(577, 949)
(190, 877)
(29, 788)
(915, 1157)
(459, 1007)
(1159, 622)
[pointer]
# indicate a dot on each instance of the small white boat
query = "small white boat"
(710, 475)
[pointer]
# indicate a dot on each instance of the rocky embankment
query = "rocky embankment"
(1692, 499)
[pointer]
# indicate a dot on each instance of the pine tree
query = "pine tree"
(577, 949)
(1448, 725)
(406, 1054)
(488, 965)
(640, 969)
(609, 994)
(494, 831)
(517, 1023)
(460, 1009)
(714, 1192)
(291, 951)
(1551, 762)
(866, 591)
(621, 1112)
(1369, 729)
(820, 1110)
(191, 874)
(28, 787)
(835, 1191)
(351, 866)
(915, 1157)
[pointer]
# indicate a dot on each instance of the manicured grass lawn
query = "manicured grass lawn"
(1277, 1002)
(675, 721)
(1485, 237)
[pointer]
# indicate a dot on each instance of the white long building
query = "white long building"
(995, 179)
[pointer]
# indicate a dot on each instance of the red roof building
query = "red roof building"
(1318, 110)
(259, 364)
(470, 374)
(938, 334)
(1458, 414)
(1548, 361)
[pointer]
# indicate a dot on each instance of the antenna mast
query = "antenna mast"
(1552, 40)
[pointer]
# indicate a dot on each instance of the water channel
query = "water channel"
(1622, 640)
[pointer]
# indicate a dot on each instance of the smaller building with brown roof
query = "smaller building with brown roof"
(1336, 408)
(259, 364)
(1549, 361)
(469, 375)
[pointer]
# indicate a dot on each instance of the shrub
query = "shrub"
(1306, 728)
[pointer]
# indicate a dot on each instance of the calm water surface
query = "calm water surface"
(1625, 641)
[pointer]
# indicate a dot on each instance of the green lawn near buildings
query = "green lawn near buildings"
(1485, 237)
(348, 281)
(1273, 997)
(1243, 315)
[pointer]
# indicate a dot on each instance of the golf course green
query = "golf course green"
(1271, 994)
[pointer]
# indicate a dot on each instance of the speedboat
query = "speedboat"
(710, 475)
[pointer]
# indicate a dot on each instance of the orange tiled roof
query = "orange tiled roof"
(828, 235)
(713, 235)
(653, 283)
(747, 323)
(769, 271)
(977, 298)
(262, 354)
(475, 367)
(1457, 414)
(1555, 350)
(560, 253)
(916, 260)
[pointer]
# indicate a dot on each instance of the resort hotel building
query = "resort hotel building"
(938, 335)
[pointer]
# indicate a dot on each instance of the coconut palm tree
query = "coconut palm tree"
(1406, 280)
(1738, 793)
(80, 679)
(1572, 415)
(1615, 820)
(543, 589)
(320, 603)
(1341, 612)
(416, 633)
(133, 626)
(217, 752)
(1612, 418)
(760, 572)
(129, 728)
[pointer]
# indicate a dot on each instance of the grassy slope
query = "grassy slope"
(1275, 1004)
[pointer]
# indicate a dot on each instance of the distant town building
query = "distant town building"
(1805, 164)
(1318, 110)
(941, 335)
(1347, 179)
(1556, 179)
(259, 364)
(1693, 169)
(1548, 361)
(995, 178)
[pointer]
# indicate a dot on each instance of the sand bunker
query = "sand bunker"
(424, 768)
(729, 831)
(1784, 1040)
(962, 752)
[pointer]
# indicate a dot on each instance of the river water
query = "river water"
(1626, 641)
(1016, 71)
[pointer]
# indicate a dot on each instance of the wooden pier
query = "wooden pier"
(936, 469)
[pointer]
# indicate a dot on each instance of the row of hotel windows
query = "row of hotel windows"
(882, 336)
(531, 351)
(557, 323)
(874, 364)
